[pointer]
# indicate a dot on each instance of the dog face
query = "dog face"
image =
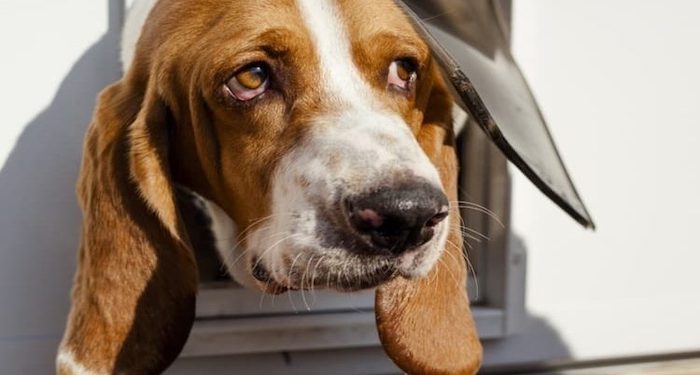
(314, 119)
(321, 129)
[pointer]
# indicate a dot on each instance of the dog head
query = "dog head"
(322, 129)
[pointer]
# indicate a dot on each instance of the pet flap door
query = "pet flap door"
(470, 41)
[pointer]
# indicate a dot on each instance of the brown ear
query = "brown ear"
(135, 288)
(425, 325)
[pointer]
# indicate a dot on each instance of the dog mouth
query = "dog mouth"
(265, 280)
(340, 270)
(337, 280)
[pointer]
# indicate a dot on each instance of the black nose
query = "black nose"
(398, 219)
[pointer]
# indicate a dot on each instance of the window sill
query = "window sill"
(304, 331)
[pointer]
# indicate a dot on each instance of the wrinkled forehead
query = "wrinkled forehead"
(228, 26)
(366, 18)
(346, 34)
(359, 18)
(312, 26)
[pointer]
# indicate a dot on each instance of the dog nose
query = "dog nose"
(398, 219)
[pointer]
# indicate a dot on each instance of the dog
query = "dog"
(319, 131)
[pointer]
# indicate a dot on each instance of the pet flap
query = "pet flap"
(470, 41)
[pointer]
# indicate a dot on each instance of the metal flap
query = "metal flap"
(470, 41)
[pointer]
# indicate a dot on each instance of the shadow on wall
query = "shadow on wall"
(536, 345)
(39, 216)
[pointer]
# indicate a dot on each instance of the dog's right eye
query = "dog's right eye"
(402, 74)
(249, 82)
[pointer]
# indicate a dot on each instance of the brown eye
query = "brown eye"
(402, 74)
(252, 77)
(249, 82)
(404, 70)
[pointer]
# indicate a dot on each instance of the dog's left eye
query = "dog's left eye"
(249, 82)
(402, 74)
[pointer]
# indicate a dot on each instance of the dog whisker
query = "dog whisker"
(271, 247)
(313, 277)
(253, 225)
(462, 227)
(447, 267)
(470, 266)
(477, 207)
(470, 232)
(262, 297)
(468, 235)
(289, 276)
(242, 236)
(438, 268)
(303, 277)
(243, 253)
(338, 275)
(262, 223)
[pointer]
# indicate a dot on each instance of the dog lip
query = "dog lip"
(271, 287)
(265, 280)
(259, 272)
(380, 276)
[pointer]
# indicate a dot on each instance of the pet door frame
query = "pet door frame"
(231, 320)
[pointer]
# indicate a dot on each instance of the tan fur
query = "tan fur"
(168, 121)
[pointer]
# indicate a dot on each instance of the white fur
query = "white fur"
(225, 234)
(363, 119)
(66, 361)
(339, 75)
(369, 143)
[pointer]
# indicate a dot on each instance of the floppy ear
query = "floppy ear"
(135, 288)
(425, 325)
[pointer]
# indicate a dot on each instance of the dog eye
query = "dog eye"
(402, 74)
(249, 82)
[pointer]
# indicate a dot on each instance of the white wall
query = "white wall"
(617, 81)
(56, 56)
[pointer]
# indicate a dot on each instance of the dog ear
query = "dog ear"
(135, 288)
(425, 325)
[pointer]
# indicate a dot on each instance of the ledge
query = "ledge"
(304, 331)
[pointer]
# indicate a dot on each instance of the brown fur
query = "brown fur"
(426, 325)
(168, 121)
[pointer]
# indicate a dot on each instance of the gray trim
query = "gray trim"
(230, 300)
(346, 361)
(304, 331)
(499, 259)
